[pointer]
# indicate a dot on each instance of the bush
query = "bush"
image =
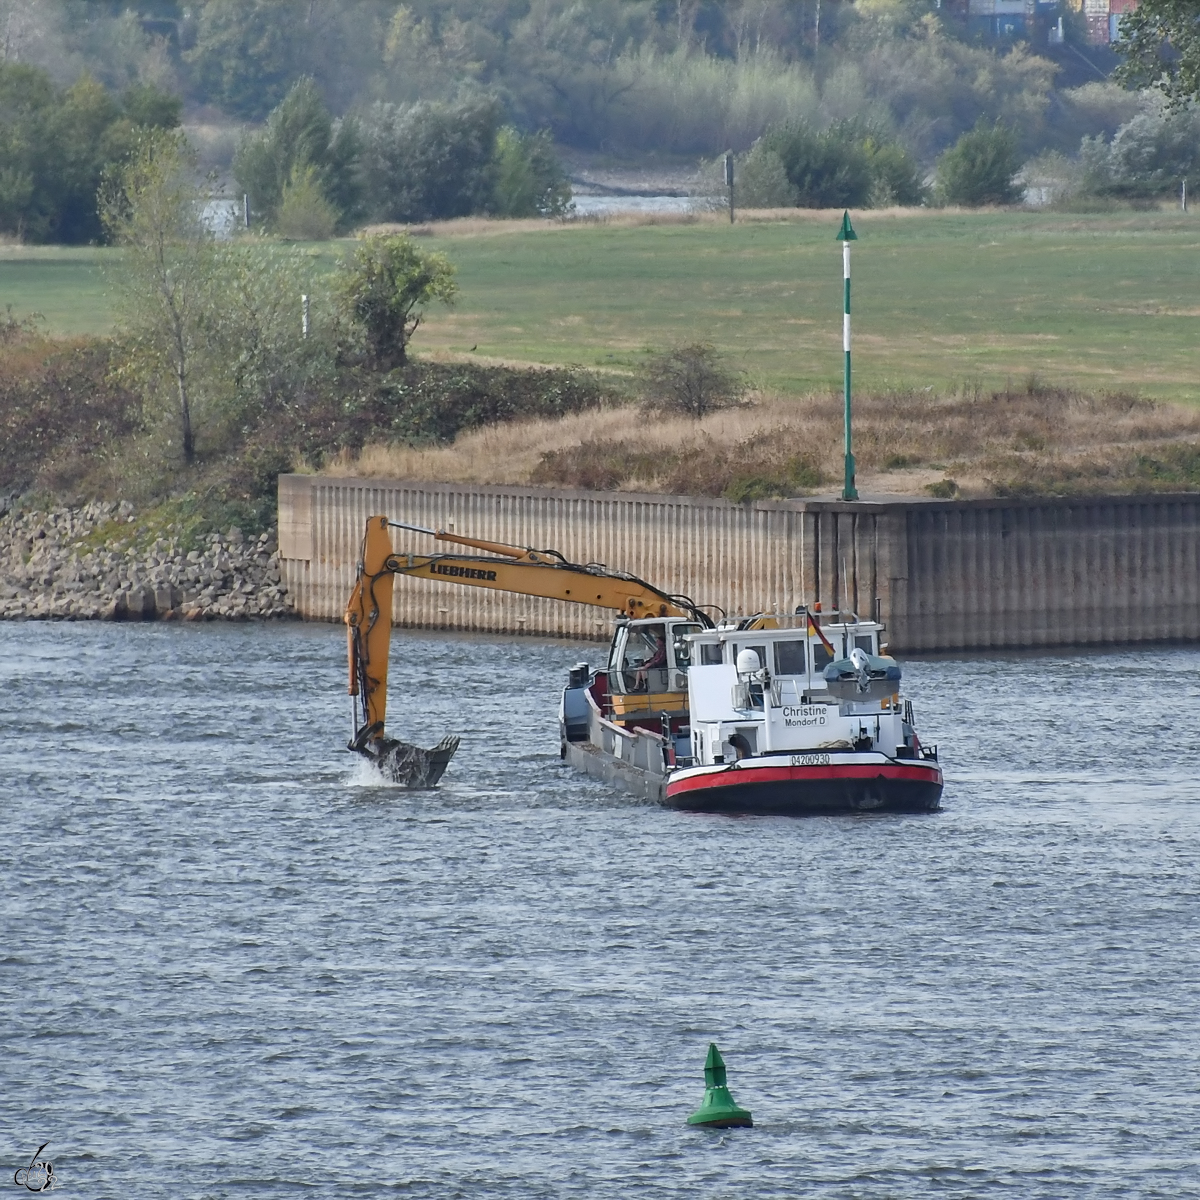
(60, 412)
(980, 168)
(304, 213)
(530, 181)
(1174, 467)
(762, 181)
(747, 470)
(435, 401)
(849, 165)
(794, 477)
(66, 425)
(600, 465)
(385, 290)
(430, 161)
(418, 404)
(690, 379)
(943, 489)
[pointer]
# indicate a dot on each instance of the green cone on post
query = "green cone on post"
(718, 1110)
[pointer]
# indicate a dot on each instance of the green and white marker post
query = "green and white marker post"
(846, 235)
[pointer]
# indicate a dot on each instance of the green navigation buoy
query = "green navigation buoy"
(718, 1110)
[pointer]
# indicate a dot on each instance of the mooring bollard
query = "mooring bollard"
(718, 1110)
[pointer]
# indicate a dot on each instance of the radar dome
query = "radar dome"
(748, 662)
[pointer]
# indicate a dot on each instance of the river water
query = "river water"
(233, 966)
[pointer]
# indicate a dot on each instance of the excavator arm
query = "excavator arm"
(504, 568)
(368, 620)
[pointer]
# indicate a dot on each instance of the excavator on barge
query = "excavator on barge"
(785, 713)
(506, 568)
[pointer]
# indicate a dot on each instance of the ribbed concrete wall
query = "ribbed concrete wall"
(945, 575)
(990, 574)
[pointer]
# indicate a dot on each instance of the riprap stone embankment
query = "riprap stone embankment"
(98, 563)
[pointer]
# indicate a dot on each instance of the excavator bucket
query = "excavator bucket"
(403, 763)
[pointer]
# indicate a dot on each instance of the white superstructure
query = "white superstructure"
(762, 691)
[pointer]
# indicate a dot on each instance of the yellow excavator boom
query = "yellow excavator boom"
(517, 569)
(368, 620)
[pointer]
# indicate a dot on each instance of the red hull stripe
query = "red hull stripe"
(739, 776)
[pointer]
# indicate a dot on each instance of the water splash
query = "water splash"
(365, 774)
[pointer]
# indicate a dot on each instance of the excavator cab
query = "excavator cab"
(647, 666)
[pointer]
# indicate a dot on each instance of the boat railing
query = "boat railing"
(781, 687)
(641, 748)
(835, 618)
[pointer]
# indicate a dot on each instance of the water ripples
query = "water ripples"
(235, 965)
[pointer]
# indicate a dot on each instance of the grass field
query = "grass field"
(1107, 301)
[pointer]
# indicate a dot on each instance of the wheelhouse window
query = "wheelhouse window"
(644, 663)
(710, 654)
(789, 658)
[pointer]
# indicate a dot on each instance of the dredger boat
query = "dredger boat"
(792, 713)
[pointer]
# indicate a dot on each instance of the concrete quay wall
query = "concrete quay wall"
(944, 575)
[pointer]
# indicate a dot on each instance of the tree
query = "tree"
(152, 108)
(430, 161)
(762, 180)
(690, 378)
(895, 176)
(151, 206)
(530, 181)
(300, 142)
(386, 289)
(213, 327)
(979, 168)
(246, 52)
(827, 170)
(1161, 44)
(1149, 156)
(27, 101)
(85, 133)
(54, 146)
(257, 358)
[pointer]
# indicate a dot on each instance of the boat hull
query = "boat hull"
(846, 784)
